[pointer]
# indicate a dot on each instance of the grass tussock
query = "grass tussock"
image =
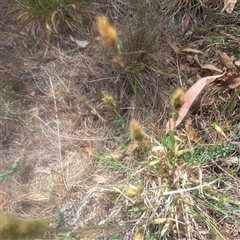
(51, 18)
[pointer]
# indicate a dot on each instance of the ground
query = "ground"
(67, 158)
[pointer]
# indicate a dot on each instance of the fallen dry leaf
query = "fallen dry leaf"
(211, 67)
(237, 63)
(196, 59)
(226, 60)
(158, 148)
(232, 81)
(190, 96)
(186, 68)
(100, 179)
(159, 220)
(229, 5)
(174, 47)
(82, 43)
(235, 83)
(191, 131)
(185, 24)
(72, 38)
(192, 50)
(89, 150)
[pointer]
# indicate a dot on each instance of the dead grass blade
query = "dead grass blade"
(192, 50)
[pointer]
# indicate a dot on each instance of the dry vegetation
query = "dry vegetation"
(68, 155)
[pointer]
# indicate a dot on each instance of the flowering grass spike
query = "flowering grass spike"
(109, 101)
(109, 37)
(136, 131)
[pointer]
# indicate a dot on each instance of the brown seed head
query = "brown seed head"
(178, 99)
(136, 130)
(108, 34)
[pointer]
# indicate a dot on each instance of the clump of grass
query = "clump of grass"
(142, 37)
(142, 42)
(47, 17)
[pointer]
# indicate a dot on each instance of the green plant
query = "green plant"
(120, 121)
(236, 53)
(111, 104)
(14, 168)
(219, 207)
(135, 88)
(150, 237)
(61, 221)
(172, 149)
(112, 163)
(204, 154)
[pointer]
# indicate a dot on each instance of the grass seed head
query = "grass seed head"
(133, 191)
(118, 60)
(109, 37)
(140, 234)
(136, 130)
(109, 101)
(108, 34)
(178, 99)
(14, 228)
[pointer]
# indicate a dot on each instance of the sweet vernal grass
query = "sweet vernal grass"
(108, 34)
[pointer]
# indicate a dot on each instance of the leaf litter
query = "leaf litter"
(190, 97)
(229, 79)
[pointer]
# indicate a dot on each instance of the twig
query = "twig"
(188, 189)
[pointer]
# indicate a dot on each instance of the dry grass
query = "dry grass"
(80, 170)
